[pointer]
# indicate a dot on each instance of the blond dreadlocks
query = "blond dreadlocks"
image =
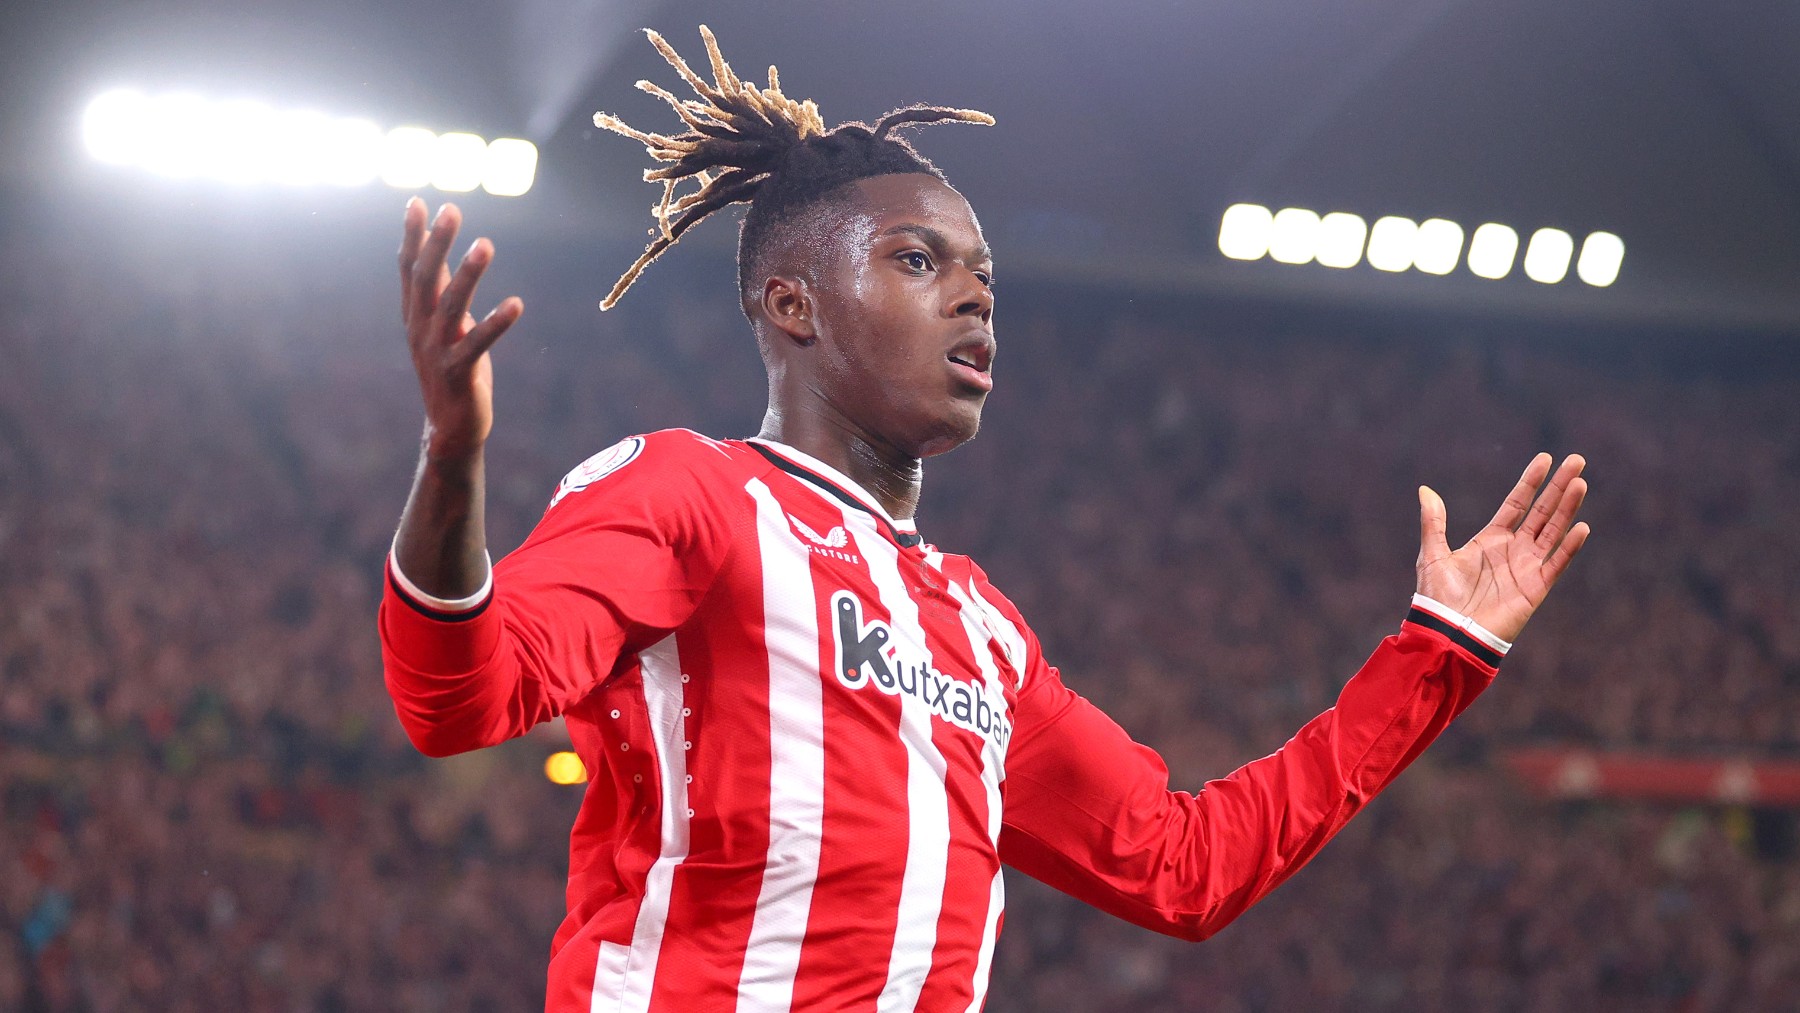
(756, 145)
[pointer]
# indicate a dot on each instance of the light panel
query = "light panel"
(1341, 237)
(182, 135)
(1295, 237)
(1393, 243)
(1547, 258)
(1396, 244)
(1439, 246)
(1491, 251)
(1245, 231)
(1601, 256)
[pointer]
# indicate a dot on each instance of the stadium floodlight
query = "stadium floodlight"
(1601, 256)
(407, 157)
(1393, 243)
(1491, 251)
(1341, 237)
(187, 136)
(1245, 231)
(565, 768)
(177, 140)
(509, 167)
(1547, 258)
(1439, 246)
(112, 126)
(457, 161)
(1295, 236)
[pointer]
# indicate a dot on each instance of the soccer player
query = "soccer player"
(813, 736)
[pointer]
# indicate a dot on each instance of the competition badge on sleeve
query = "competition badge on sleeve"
(599, 466)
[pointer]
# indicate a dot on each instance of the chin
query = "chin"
(950, 432)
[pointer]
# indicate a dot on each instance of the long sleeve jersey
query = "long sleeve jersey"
(813, 740)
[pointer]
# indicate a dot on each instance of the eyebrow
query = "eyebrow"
(935, 238)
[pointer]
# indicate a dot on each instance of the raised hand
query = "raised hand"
(449, 348)
(1501, 576)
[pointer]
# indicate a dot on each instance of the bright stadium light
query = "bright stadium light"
(1547, 258)
(509, 167)
(112, 126)
(457, 161)
(246, 142)
(1397, 244)
(1341, 238)
(1393, 243)
(1601, 256)
(1245, 231)
(186, 136)
(1439, 246)
(565, 768)
(1295, 236)
(407, 157)
(178, 138)
(1491, 251)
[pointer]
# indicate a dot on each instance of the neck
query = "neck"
(891, 475)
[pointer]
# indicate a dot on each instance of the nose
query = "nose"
(974, 299)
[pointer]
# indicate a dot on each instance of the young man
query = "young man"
(814, 737)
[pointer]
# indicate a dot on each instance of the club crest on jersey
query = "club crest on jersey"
(868, 654)
(599, 466)
(834, 543)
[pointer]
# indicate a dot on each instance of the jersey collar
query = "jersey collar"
(835, 484)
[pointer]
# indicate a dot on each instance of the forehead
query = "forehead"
(916, 198)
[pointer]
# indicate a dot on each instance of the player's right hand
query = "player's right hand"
(449, 348)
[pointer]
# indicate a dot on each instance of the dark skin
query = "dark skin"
(876, 328)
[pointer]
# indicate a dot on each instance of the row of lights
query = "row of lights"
(1393, 243)
(183, 135)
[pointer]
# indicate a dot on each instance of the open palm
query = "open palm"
(1501, 576)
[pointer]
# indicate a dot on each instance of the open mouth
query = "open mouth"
(973, 361)
(975, 354)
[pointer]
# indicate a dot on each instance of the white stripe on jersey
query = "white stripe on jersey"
(927, 802)
(992, 773)
(663, 700)
(796, 763)
(1012, 642)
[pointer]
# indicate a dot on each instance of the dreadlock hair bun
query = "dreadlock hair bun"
(756, 146)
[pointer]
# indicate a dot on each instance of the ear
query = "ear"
(788, 305)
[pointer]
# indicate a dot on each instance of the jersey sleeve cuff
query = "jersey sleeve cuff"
(442, 608)
(1461, 629)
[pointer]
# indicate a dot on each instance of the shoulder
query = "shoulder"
(668, 459)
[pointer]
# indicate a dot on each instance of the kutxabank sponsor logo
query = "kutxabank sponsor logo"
(868, 654)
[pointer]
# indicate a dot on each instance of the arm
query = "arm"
(442, 542)
(1089, 811)
(627, 549)
(475, 654)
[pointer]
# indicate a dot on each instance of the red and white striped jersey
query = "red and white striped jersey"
(813, 739)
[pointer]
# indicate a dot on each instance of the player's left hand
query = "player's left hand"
(1501, 576)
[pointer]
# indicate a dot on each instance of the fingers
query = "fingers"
(1512, 509)
(429, 269)
(1563, 554)
(483, 335)
(1433, 522)
(1552, 499)
(411, 239)
(461, 291)
(1562, 517)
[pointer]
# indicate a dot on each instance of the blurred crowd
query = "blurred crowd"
(207, 803)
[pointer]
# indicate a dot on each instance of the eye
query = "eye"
(986, 279)
(917, 260)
